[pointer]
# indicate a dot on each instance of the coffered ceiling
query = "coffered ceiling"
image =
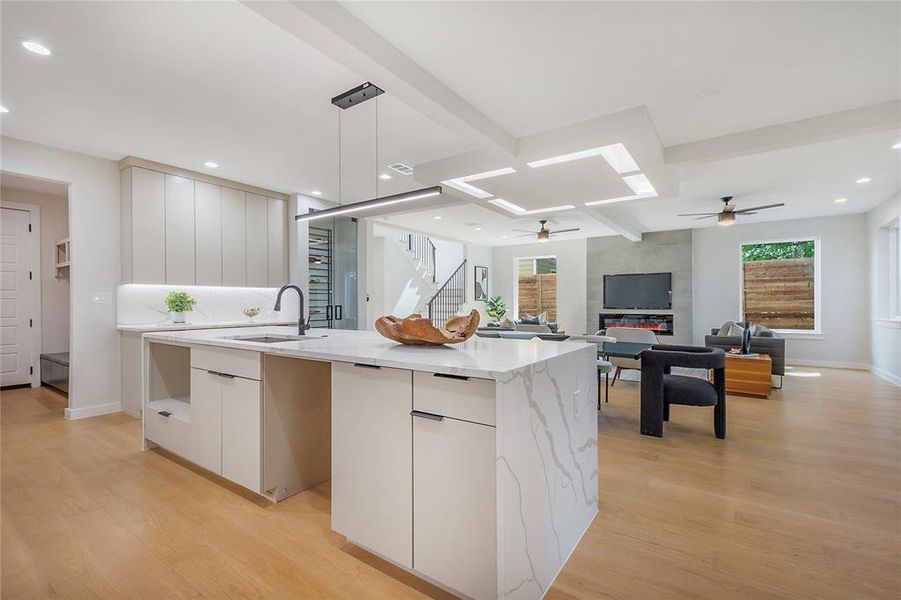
(777, 101)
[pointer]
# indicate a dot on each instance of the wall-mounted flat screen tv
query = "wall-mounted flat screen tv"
(638, 290)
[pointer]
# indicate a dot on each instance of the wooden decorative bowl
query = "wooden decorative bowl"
(416, 331)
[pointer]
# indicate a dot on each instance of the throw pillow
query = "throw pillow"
(507, 324)
(542, 318)
(529, 320)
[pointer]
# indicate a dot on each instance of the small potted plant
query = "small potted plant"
(496, 308)
(178, 304)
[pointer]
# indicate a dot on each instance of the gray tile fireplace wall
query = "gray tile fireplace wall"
(660, 252)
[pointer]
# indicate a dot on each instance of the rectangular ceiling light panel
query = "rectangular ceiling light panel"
(616, 155)
(460, 183)
(520, 211)
(640, 184)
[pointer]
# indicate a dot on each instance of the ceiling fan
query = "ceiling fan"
(544, 234)
(728, 214)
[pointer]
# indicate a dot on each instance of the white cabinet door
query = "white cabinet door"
(148, 226)
(454, 521)
(208, 233)
(241, 427)
(372, 459)
(257, 242)
(179, 230)
(234, 265)
(206, 420)
(278, 242)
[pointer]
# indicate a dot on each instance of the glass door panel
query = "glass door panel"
(333, 273)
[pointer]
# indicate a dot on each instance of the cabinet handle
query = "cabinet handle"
(226, 375)
(164, 413)
(364, 366)
(339, 312)
(426, 415)
(449, 376)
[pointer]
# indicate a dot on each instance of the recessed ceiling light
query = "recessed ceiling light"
(897, 146)
(459, 183)
(864, 180)
(840, 200)
(384, 176)
(616, 156)
(438, 217)
(478, 229)
(37, 48)
(316, 193)
(210, 164)
(503, 237)
(3, 109)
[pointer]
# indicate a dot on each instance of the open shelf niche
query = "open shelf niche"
(63, 258)
(169, 380)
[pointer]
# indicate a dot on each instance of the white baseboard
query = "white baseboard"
(883, 374)
(93, 411)
(828, 364)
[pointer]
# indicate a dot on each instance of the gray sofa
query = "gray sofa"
(774, 346)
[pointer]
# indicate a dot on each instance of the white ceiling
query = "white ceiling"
(536, 66)
(186, 82)
(494, 84)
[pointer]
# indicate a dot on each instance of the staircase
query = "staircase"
(450, 296)
(445, 301)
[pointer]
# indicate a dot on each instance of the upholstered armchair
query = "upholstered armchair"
(660, 388)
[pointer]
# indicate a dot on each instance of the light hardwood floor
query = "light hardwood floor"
(802, 500)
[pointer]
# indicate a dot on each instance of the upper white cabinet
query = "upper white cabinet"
(207, 234)
(144, 205)
(184, 228)
(179, 230)
(234, 262)
(256, 244)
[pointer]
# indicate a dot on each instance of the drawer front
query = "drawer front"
(172, 433)
(465, 398)
(241, 363)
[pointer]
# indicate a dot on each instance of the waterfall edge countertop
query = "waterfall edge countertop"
(477, 357)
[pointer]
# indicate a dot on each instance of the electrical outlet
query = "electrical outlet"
(101, 297)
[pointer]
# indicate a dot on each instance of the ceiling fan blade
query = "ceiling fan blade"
(697, 214)
(748, 213)
(754, 208)
(564, 230)
(525, 231)
(526, 235)
(705, 217)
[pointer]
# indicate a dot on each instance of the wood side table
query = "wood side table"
(749, 375)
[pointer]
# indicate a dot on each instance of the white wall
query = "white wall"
(885, 335)
(571, 278)
(481, 256)
(95, 231)
(448, 256)
(54, 291)
(843, 285)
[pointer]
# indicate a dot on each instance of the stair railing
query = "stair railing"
(422, 249)
(447, 300)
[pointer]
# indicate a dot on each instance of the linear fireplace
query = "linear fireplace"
(659, 324)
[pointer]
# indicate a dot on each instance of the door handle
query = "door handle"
(328, 312)
(226, 375)
(449, 376)
(164, 413)
(339, 312)
(426, 415)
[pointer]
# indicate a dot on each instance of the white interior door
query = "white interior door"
(15, 297)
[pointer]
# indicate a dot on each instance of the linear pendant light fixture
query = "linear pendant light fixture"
(369, 204)
(348, 99)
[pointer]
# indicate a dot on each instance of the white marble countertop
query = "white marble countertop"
(170, 326)
(477, 357)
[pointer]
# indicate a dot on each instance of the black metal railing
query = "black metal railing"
(423, 251)
(447, 300)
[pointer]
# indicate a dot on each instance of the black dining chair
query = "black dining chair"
(660, 389)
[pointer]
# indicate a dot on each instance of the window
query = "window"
(779, 284)
(536, 288)
(888, 269)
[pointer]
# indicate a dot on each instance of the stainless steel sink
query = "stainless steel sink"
(271, 338)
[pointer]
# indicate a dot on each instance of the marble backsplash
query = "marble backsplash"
(139, 304)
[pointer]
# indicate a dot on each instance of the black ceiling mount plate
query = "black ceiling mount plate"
(358, 95)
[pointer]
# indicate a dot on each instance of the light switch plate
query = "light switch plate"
(101, 297)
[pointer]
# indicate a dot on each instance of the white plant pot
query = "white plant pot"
(178, 317)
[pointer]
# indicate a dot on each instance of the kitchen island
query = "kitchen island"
(473, 466)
